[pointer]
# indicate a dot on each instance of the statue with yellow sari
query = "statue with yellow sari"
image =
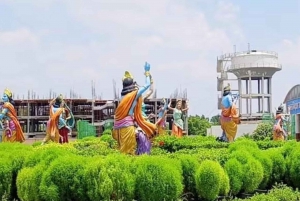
(128, 114)
(229, 116)
(12, 131)
(279, 133)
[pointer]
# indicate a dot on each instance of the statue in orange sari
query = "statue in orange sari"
(129, 113)
(58, 126)
(229, 116)
(278, 132)
(12, 131)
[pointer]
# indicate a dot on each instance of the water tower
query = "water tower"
(253, 70)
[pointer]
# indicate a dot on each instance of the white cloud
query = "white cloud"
(22, 36)
(180, 43)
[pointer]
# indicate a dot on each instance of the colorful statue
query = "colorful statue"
(229, 116)
(12, 131)
(177, 126)
(129, 113)
(150, 92)
(279, 133)
(162, 112)
(60, 123)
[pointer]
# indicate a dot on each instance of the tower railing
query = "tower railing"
(229, 55)
(255, 65)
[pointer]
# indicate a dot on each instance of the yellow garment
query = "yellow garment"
(126, 138)
(229, 121)
(17, 135)
(230, 129)
(9, 139)
(52, 131)
(278, 136)
(161, 130)
(278, 132)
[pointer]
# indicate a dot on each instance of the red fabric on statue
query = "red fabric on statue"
(63, 132)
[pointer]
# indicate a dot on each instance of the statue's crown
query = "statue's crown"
(127, 75)
(8, 93)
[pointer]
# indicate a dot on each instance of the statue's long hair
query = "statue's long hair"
(57, 102)
(128, 86)
(11, 101)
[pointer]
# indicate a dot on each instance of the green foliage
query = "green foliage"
(189, 167)
(209, 180)
(234, 170)
(215, 120)
(158, 178)
(107, 132)
(264, 131)
(198, 125)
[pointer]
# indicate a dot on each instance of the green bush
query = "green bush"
(253, 175)
(98, 184)
(264, 131)
(235, 173)
(28, 182)
(107, 132)
(267, 165)
(294, 167)
(157, 178)
(189, 166)
(5, 176)
(278, 166)
(209, 179)
(62, 179)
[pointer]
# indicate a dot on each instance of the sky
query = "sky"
(60, 45)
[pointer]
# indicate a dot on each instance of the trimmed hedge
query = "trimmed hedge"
(90, 169)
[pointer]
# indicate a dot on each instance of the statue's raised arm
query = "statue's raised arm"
(148, 81)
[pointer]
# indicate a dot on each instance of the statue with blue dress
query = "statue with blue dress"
(60, 123)
(162, 113)
(9, 123)
(229, 116)
(128, 114)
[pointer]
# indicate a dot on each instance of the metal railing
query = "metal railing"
(257, 65)
(230, 55)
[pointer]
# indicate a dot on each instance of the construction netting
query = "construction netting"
(85, 129)
(293, 125)
(267, 118)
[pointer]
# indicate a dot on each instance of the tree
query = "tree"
(198, 125)
(215, 120)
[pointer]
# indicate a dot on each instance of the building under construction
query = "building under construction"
(33, 113)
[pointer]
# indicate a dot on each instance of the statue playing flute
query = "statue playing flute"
(60, 123)
(229, 116)
(279, 134)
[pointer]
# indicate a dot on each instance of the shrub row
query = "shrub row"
(90, 170)
(173, 144)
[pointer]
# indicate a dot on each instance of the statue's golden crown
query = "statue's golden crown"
(8, 93)
(127, 75)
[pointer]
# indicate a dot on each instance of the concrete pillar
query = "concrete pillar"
(270, 93)
(263, 94)
(247, 93)
(250, 92)
(258, 98)
(240, 92)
